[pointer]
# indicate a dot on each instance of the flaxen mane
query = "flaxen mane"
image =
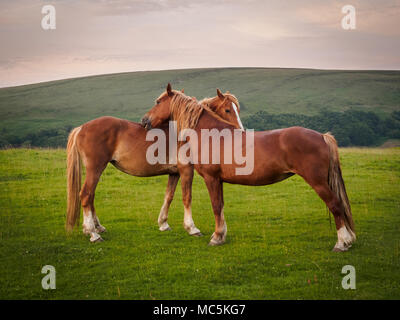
(186, 111)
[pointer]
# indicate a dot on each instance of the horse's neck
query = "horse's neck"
(208, 121)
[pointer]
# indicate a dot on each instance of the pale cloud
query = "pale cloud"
(95, 37)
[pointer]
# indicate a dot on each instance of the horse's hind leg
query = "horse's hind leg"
(90, 219)
(169, 196)
(335, 206)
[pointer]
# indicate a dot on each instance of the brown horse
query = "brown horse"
(277, 155)
(123, 143)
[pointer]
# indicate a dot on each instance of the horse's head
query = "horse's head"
(161, 111)
(226, 106)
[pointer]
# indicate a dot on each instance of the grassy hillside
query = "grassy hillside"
(278, 246)
(28, 109)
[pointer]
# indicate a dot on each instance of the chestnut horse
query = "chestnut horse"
(278, 155)
(123, 143)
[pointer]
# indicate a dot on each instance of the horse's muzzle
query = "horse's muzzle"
(146, 123)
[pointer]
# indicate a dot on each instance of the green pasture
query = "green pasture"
(278, 245)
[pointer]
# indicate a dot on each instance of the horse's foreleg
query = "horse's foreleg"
(169, 196)
(215, 190)
(87, 199)
(186, 174)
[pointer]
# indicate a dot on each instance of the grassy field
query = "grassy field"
(27, 109)
(278, 245)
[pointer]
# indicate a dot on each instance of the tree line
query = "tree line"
(52, 138)
(350, 128)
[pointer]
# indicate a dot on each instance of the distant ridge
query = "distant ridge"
(71, 102)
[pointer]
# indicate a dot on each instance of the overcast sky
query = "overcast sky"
(108, 36)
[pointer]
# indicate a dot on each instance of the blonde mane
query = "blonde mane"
(186, 111)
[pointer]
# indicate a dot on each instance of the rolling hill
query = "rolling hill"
(59, 105)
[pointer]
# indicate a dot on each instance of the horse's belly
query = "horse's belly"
(130, 157)
(134, 162)
(257, 179)
(145, 169)
(259, 173)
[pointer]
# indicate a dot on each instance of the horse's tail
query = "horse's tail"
(336, 183)
(73, 181)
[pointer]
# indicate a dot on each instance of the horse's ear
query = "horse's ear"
(220, 95)
(169, 89)
(183, 90)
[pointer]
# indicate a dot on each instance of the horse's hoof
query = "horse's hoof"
(164, 226)
(197, 234)
(214, 242)
(96, 238)
(340, 249)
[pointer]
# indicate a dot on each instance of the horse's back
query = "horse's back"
(295, 134)
(107, 122)
(99, 137)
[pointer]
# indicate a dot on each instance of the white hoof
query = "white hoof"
(95, 237)
(193, 231)
(216, 241)
(164, 227)
(341, 247)
(345, 239)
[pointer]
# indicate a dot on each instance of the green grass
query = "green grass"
(278, 245)
(27, 109)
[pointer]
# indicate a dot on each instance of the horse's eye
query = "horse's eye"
(158, 102)
(227, 110)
